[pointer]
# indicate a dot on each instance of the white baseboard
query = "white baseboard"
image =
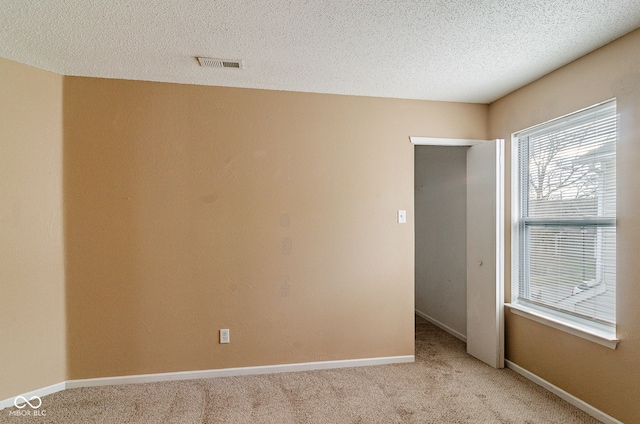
(224, 372)
(578, 403)
(230, 372)
(39, 392)
(442, 326)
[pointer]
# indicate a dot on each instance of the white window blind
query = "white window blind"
(567, 216)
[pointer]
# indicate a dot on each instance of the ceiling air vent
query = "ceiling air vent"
(209, 62)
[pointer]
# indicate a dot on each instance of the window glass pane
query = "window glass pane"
(567, 235)
(571, 172)
(572, 268)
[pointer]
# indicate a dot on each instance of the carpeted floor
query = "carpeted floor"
(444, 385)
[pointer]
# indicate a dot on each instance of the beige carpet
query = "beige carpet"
(444, 385)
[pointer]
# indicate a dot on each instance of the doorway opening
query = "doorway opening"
(440, 205)
(459, 242)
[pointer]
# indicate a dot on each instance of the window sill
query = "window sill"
(592, 334)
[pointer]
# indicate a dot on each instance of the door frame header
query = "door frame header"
(434, 141)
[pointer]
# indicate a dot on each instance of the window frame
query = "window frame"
(566, 322)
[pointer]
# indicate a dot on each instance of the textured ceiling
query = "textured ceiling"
(454, 50)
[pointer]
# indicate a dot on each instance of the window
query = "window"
(565, 220)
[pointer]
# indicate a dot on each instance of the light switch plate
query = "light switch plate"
(402, 217)
(224, 335)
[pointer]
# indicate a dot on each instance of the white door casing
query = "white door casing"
(485, 246)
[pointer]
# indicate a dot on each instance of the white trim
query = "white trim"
(38, 392)
(442, 326)
(515, 213)
(229, 372)
(433, 141)
(500, 265)
(590, 334)
(578, 403)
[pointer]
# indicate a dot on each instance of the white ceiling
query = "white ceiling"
(453, 50)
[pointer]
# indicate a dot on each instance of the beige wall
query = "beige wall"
(607, 379)
(32, 314)
(273, 214)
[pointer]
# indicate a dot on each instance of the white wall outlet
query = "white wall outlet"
(402, 217)
(224, 335)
